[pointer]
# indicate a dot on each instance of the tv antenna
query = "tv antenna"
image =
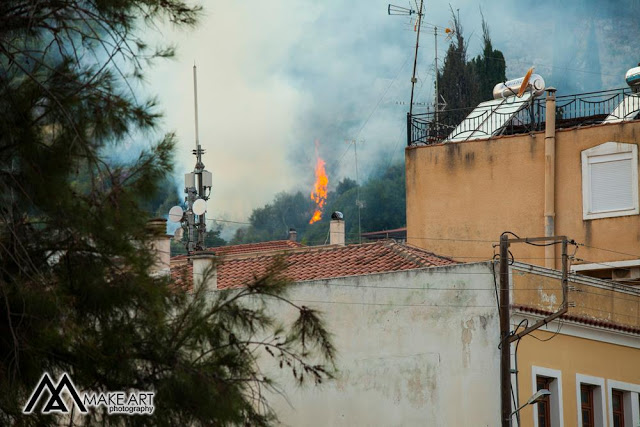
(198, 189)
(399, 10)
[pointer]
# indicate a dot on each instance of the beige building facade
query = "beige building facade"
(589, 359)
(579, 180)
(462, 195)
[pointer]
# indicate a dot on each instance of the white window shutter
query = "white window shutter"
(611, 186)
(610, 180)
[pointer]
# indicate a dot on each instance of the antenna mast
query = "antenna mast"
(415, 58)
(198, 189)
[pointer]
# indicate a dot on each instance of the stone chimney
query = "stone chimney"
(293, 234)
(336, 229)
(204, 269)
(160, 245)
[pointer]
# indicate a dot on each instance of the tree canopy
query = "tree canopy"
(383, 208)
(463, 83)
(76, 293)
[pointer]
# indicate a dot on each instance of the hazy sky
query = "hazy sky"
(274, 76)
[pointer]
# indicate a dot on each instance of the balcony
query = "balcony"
(571, 111)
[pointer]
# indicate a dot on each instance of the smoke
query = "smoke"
(275, 76)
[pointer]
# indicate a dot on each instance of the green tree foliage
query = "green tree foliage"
(384, 207)
(464, 84)
(273, 221)
(76, 294)
(457, 82)
(489, 67)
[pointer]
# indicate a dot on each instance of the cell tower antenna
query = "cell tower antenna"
(198, 189)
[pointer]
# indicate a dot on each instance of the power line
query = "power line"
(228, 220)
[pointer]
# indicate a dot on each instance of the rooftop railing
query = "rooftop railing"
(571, 111)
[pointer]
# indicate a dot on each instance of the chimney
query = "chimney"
(293, 234)
(204, 270)
(336, 229)
(160, 245)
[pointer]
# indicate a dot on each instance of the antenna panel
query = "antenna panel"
(199, 207)
(175, 214)
(207, 179)
(189, 180)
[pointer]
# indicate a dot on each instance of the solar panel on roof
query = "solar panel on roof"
(628, 109)
(488, 118)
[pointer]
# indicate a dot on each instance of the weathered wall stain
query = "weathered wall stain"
(467, 335)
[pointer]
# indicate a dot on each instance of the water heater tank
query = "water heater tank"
(633, 77)
(511, 87)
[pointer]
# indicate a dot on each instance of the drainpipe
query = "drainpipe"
(550, 176)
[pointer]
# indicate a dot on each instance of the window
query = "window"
(549, 412)
(544, 406)
(617, 405)
(623, 404)
(591, 401)
(586, 405)
(610, 180)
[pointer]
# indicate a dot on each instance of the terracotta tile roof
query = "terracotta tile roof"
(256, 247)
(317, 262)
(249, 248)
(580, 319)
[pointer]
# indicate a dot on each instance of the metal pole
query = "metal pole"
(195, 106)
(435, 36)
(358, 202)
(550, 177)
(201, 227)
(505, 346)
(415, 58)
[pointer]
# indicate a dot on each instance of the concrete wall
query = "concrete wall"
(590, 298)
(416, 348)
(462, 196)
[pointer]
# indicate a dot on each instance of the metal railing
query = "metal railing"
(571, 111)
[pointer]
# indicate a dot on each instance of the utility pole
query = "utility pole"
(506, 338)
(505, 347)
(436, 105)
(359, 202)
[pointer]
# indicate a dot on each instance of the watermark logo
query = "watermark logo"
(116, 402)
(55, 403)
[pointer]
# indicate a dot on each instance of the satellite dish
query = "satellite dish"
(175, 214)
(525, 82)
(199, 207)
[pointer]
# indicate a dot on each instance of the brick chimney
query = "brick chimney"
(293, 234)
(336, 229)
(204, 269)
(160, 245)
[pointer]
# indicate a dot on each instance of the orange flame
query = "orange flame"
(319, 193)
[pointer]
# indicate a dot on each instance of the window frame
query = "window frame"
(620, 393)
(589, 407)
(556, 400)
(622, 151)
(546, 382)
(630, 404)
(599, 403)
